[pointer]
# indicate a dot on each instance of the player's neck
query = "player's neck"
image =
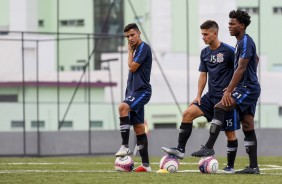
(215, 44)
(139, 42)
(241, 35)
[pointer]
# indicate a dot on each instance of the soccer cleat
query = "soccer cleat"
(228, 170)
(174, 151)
(123, 151)
(203, 152)
(142, 168)
(248, 170)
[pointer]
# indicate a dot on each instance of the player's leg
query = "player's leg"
(142, 145)
(232, 146)
(137, 120)
(248, 108)
(215, 128)
(230, 125)
(192, 112)
(124, 129)
(250, 142)
(185, 131)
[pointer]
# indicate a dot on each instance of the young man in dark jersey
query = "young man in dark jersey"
(216, 66)
(138, 93)
(242, 92)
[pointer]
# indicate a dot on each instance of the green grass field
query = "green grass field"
(101, 170)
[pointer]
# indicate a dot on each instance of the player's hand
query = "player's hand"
(196, 100)
(226, 99)
(130, 48)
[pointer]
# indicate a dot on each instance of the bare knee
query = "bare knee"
(191, 113)
(247, 126)
(139, 129)
(187, 116)
(248, 123)
(123, 109)
(231, 135)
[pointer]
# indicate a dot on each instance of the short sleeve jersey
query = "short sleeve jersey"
(246, 49)
(140, 79)
(219, 64)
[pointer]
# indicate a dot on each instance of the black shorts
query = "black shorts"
(136, 102)
(246, 99)
(231, 120)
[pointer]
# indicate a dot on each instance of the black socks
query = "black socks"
(231, 152)
(184, 134)
(124, 130)
(142, 143)
(250, 142)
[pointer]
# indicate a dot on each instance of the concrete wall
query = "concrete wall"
(108, 142)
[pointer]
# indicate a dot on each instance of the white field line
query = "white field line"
(262, 168)
(38, 163)
(111, 171)
(107, 163)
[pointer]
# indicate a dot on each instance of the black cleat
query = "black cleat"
(174, 151)
(203, 152)
(248, 170)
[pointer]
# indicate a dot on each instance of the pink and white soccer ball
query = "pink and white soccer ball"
(169, 163)
(208, 165)
(124, 164)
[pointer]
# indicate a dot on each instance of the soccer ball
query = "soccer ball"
(124, 164)
(208, 165)
(169, 163)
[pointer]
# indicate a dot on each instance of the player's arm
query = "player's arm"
(257, 59)
(201, 83)
(238, 74)
(132, 66)
(201, 86)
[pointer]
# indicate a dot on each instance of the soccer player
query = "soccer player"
(216, 66)
(138, 93)
(242, 92)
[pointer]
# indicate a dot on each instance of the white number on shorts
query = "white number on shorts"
(229, 122)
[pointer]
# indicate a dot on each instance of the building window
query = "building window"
(77, 68)
(40, 23)
(66, 124)
(17, 124)
(35, 123)
(165, 125)
(96, 124)
(8, 98)
(280, 111)
(62, 68)
(250, 10)
(277, 10)
(115, 24)
(73, 23)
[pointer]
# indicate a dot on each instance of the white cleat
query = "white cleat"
(123, 151)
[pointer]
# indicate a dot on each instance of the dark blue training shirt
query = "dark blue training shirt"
(246, 49)
(140, 79)
(219, 64)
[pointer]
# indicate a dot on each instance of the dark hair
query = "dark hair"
(130, 26)
(242, 16)
(209, 24)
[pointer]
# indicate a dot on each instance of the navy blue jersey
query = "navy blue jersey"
(140, 79)
(246, 49)
(219, 64)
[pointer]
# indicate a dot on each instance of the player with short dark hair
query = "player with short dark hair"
(138, 93)
(242, 92)
(216, 67)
